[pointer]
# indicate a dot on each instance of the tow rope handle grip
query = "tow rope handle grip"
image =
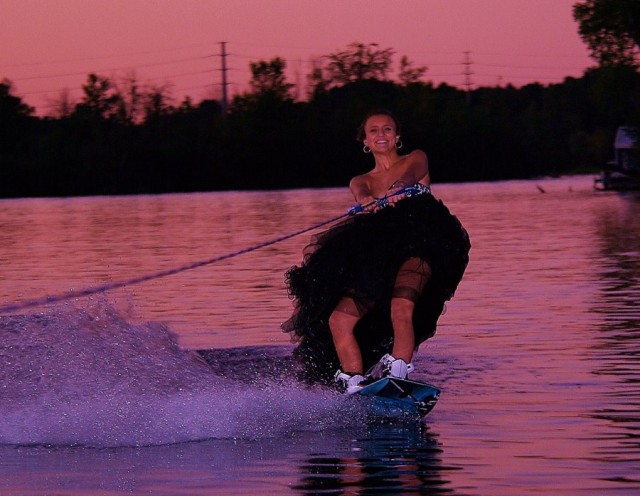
(407, 191)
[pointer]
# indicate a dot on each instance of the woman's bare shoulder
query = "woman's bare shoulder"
(417, 162)
(357, 180)
(417, 156)
(359, 186)
(361, 180)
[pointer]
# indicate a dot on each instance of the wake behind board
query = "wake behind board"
(393, 396)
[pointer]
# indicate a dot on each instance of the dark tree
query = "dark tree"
(355, 63)
(409, 74)
(11, 106)
(611, 30)
(101, 98)
(16, 136)
(267, 78)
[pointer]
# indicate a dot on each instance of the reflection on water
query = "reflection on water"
(389, 460)
(617, 344)
(536, 355)
(382, 460)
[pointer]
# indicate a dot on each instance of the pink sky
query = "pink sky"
(51, 45)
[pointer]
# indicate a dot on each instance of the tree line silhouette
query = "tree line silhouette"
(120, 139)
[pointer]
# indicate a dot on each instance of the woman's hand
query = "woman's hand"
(369, 204)
(395, 195)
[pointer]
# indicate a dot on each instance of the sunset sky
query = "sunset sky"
(47, 46)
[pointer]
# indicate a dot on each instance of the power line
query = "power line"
(104, 57)
(508, 72)
(142, 66)
(230, 69)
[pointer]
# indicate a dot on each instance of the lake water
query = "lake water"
(537, 355)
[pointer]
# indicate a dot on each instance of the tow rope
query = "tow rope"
(103, 288)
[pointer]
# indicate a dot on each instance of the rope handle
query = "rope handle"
(407, 191)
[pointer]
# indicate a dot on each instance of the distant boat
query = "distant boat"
(623, 172)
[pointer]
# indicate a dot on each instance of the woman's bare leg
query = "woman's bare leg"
(403, 336)
(412, 277)
(342, 322)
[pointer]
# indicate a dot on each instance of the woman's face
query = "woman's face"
(380, 133)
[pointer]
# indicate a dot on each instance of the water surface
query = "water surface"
(537, 354)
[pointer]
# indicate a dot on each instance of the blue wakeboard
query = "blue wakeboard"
(394, 397)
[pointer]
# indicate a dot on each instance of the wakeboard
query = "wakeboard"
(394, 397)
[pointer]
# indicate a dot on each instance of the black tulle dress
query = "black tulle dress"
(360, 257)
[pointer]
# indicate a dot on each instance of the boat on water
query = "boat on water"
(623, 172)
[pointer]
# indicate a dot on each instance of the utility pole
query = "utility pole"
(223, 61)
(467, 74)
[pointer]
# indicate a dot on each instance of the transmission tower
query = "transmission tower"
(467, 74)
(223, 69)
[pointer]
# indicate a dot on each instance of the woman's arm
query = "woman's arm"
(360, 190)
(417, 169)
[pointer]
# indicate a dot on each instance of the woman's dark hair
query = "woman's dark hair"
(361, 130)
